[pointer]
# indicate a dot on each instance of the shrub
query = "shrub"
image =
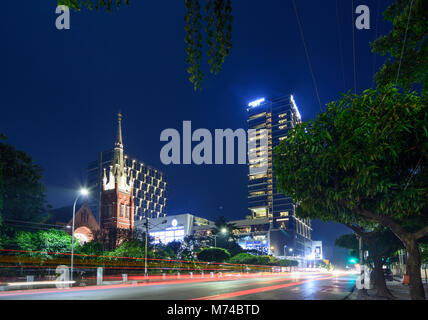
(213, 254)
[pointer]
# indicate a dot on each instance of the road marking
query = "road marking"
(252, 291)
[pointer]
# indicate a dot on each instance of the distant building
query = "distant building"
(149, 187)
(85, 224)
(272, 211)
(176, 227)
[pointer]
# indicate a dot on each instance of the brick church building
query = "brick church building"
(117, 204)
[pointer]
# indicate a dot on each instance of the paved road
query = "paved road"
(313, 286)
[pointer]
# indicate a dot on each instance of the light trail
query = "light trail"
(258, 290)
(156, 283)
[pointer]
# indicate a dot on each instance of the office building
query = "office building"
(176, 227)
(276, 211)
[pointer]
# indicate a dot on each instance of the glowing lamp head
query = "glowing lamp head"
(84, 192)
(223, 230)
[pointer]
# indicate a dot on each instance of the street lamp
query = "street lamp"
(223, 231)
(83, 192)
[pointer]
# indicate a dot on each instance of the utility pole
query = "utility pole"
(360, 245)
(145, 251)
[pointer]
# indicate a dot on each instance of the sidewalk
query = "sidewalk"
(399, 291)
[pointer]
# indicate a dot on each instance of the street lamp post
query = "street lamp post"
(145, 250)
(82, 192)
(223, 231)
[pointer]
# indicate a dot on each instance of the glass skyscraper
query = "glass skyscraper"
(276, 117)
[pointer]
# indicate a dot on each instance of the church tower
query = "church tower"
(117, 204)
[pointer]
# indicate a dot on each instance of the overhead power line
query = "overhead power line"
(375, 37)
(306, 52)
(353, 47)
(404, 42)
(339, 37)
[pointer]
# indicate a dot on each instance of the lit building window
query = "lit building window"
(258, 176)
(257, 116)
(257, 193)
(283, 213)
(168, 236)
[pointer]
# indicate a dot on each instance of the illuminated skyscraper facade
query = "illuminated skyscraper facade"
(276, 117)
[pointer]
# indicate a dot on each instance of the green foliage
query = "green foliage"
(173, 250)
(1, 189)
(21, 189)
(364, 158)
(132, 249)
(231, 246)
(93, 4)
(350, 242)
(44, 241)
(247, 258)
(90, 248)
(414, 64)
(288, 263)
(213, 255)
(218, 19)
(215, 20)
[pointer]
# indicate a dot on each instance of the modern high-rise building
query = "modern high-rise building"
(149, 188)
(273, 118)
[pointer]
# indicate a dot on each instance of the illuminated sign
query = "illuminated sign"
(174, 222)
(256, 103)
(317, 252)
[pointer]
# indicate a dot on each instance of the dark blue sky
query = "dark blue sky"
(60, 90)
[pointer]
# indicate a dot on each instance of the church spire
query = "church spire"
(118, 161)
(118, 173)
(119, 142)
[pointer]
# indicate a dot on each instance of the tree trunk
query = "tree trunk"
(382, 289)
(417, 291)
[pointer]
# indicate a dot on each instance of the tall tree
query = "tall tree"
(365, 158)
(381, 243)
(214, 23)
(406, 45)
(23, 193)
(2, 137)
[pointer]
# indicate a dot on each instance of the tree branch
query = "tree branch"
(421, 233)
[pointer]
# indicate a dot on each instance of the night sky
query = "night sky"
(60, 91)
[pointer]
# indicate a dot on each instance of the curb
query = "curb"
(349, 294)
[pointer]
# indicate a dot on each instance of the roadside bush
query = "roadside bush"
(213, 254)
